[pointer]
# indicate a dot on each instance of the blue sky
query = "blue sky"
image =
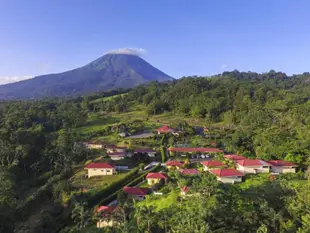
(181, 37)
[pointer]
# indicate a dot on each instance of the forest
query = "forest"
(261, 116)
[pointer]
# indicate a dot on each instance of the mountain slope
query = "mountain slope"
(108, 72)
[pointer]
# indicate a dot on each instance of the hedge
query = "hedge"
(112, 188)
(131, 183)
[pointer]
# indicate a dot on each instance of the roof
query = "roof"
(195, 149)
(165, 129)
(282, 163)
(157, 175)
(226, 172)
(99, 165)
(174, 163)
(136, 191)
(106, 209)
(190, 171)
(117, 154)
(234, 157)
(144, 150)
(252, 162)
(185, 189)
(213, 163)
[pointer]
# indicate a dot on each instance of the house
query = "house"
(190, 172)
(174, 164)
(234, 157)
(113, 149)
(212, 164)
(281, 166)
(149, 152)
(93, 145)
(228, 175)
(253, 166)
(105, 216)
(155, 178)
(100, 169)
(165, 129)
(201, 150)
(117, 155)
(184, 190)
(136, 192)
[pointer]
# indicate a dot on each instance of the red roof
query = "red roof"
(213, 163)
(252, 162)
(106, 209)
(234, 157)
(136, 191)
(165, 129)
(117, 154)
(280, 163)
(226, 172)
(157, 175)
(185, 189)
(191, 171)
(174, 163)
(99, 165)
(192, 149)
(144, 150)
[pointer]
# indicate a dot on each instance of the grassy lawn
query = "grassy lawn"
(161, 202)
(79, 180)
(254, 180)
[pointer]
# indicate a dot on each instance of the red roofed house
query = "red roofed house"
(253, 166)
(184, 190)
(149, 152)
(117, 155)
(212, 164)
(155, 178)
(165, 129)
(100, 169)
(190, 172)
(234, 157)
(174, 164)
(228, 175)
(280, 166)
(194, 150)
(136, 192)
(105, 216)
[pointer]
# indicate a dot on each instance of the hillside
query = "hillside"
(258, 116)
(111, 71)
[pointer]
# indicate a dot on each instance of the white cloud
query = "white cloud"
(131, 51)
(224, 66)
(12, 79)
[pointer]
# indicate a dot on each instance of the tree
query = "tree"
(80, 215)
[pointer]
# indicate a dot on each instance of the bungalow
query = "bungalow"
(190, 172)
(212, 164)
(100, 169)
(149, 152)
(136, 192)
(227, 175)
(280, 166)
(184, 190)
(234, 157)
(253, 166)
(194, 150)
(174, 164)
(113, 149)
(117, 155)
(94, 145)
(155, 178)
(165, 129)
(105, 216)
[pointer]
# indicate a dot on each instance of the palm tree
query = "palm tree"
(80, 215)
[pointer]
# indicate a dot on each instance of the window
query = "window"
(265, 166)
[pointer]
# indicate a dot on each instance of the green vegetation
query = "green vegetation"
(257, 115)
